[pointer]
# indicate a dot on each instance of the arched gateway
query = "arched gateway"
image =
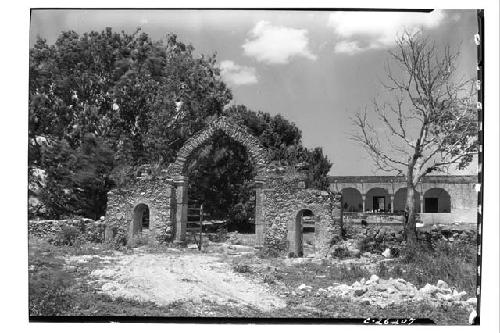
(178, 173)
(165, 194)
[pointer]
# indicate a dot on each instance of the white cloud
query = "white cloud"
(236, 74)
(277, 44)
(349, 47)
(360, 31)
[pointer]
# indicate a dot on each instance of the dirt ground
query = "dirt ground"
(176, 276)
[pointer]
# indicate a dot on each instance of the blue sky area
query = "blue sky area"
(315, 68)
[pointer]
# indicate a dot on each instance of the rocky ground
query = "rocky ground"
(232, 279)
(175, 276)
(233, 275)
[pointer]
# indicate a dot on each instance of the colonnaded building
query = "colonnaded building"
(440, 199)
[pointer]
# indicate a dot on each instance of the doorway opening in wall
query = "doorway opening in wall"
(221, 177)
(140, 220)
(431, 205)
(379, 204)
(304, 233)
(437, 200)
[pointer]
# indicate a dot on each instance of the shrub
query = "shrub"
(241, 268)
(269, 278)
(454, 263)
(340, 252)
(266, 252)
(68, 235)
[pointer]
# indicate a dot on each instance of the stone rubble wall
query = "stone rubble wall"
(237, 133)
(157, 194)
(284, 199)
(90, 229)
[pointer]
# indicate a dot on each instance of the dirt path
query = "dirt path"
(170, 277)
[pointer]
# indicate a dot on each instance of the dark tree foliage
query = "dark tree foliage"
(77, 179)
(106, 103)
(221, 173)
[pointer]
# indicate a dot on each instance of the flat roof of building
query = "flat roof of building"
(446, 179)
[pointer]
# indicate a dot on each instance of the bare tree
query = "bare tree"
(428, 123)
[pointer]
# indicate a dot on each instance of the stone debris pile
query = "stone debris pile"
(376, 291)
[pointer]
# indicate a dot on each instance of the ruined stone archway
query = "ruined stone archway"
(178, 173)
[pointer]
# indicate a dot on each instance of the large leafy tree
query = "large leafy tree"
(428, 124)
(141, 98)
(103, 92)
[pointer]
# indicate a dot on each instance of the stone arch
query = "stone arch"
(437, 200)
(373, 194)
(140, 219)
(295, 232)
(177, 171)
(235, 132)
(400, 200)
(352, 200)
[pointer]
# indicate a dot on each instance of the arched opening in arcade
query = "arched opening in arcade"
(377, 200)
(352, 201)
(437, 200)
(400, 201)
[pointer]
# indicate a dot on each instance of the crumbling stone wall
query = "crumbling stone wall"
(157, 193)
(89, 229)
(280, 195)
(284, 198)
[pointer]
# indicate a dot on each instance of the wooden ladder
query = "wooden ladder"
(195, 223)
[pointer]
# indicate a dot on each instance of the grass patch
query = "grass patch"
(453, 262)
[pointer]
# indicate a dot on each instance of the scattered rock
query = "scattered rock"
(387, 253)
(354, 253)
(471, 301)
(304, 287)
(441, 284)
(374, 278)
(429, 289)
(365, 301)
(360, 291)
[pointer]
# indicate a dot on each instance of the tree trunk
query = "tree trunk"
(410, 215)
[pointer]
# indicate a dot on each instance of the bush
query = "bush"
(340, 252)
(49, 286)
(241, 268)
(68, 235)
(424, 263)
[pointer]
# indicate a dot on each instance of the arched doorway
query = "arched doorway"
(179, 174)
(352, 201)
(437, 200)
(301, 233)
(400, 200)
(140, 219)
(377, 200)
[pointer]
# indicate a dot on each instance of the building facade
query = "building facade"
(440, 199)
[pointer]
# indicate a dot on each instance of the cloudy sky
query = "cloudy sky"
(316, 68)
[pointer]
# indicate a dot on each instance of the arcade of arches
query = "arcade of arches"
(446, 199)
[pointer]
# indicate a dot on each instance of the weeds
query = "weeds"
(454, 263)
(241, 268)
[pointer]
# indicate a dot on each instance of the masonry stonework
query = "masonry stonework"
(280, 196)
